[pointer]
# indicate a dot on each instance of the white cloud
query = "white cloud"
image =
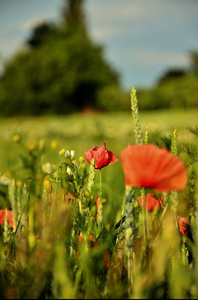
(108, 11)
(105, 31)
(9, 44)
(151, 57)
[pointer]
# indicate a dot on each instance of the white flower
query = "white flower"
(67, 153)
(72, 153)
(5, 179)
(69, 171)
(47, 168)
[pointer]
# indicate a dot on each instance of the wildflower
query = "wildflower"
(81, 159)
(9, 215)
(67, 153)
(70, 154)
(5, 178)
(152, 167)
(62, 152)
(101, 155)
(16, 138)
(81, 239)
(152, 202)
(41, 144)
(69, 171)
(92, 238)
(69, 197)
(47, 168)
(183, 225)
(31, 146)
(54, 144)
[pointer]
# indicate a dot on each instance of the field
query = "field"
(82, 131)
(73, 246)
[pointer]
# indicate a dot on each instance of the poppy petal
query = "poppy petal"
(152, 167)
(9, 215)
(152, 202)
(101, 155)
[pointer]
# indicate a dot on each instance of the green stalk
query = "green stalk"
(25, 205)
(129, 232)
(135, 115)
(145, 222)
(100, 201)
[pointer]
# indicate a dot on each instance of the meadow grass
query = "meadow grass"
(82, 131)
(58, 248)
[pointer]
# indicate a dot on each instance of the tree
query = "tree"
(73, 15)
(194, 61)
(172, 74)
(40, 33)
(62, 70)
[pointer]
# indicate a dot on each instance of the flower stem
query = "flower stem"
(100, 201)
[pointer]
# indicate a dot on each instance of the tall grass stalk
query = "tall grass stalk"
(129, 227)
(136, 119)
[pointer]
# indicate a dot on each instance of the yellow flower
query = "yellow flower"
(81, 159)
(31, 145)
(16, 138)
(62, 152)
(41, 144)
(54, 144)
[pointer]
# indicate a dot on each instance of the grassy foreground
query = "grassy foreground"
(65, 244)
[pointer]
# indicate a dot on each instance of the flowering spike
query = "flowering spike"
(92, 175)
(135, 115)
(146, 138)
(174, 143)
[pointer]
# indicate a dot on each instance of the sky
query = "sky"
(141, 39)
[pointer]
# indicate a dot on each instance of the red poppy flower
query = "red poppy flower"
(101, 155)
(152, 202)
(183, 225)
(152, 167)
(10, 217)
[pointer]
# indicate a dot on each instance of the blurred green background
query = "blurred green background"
(62, 70)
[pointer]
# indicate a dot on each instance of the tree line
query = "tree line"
(61, 70)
